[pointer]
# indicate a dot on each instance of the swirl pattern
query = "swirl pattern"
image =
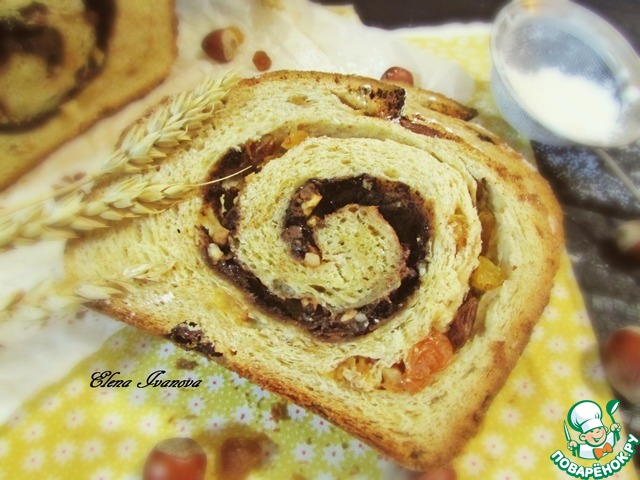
(341, 226)
(381, 259)
(347, 222)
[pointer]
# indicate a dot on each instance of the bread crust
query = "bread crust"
(137, 60)
(345, 120)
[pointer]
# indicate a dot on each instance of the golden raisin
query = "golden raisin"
(488, 224)
(487, 275)
(460, 229)
(262, 61)
(426, 358)
(294, 138)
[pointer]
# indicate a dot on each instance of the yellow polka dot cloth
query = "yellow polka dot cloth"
(76, 430)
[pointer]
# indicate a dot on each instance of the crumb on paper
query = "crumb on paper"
(185, 364)
(280, 411)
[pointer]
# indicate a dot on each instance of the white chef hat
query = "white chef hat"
(585, 415)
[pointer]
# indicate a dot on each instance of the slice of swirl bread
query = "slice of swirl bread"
(66, 64)
(382, 261)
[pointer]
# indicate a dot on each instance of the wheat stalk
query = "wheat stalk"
(145, 143)
(72, 214)
(50, 297)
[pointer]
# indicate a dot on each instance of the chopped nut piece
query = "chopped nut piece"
(361, 317)
(215, 253)
(221, 236)
(348, 315)
(312, 259)
(308, 303)
(312, 222)
(358, 364)
(392, 379)
(311, 203)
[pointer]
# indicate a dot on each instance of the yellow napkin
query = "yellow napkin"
(71, 430)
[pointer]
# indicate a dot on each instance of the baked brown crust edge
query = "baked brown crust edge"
(504, 355)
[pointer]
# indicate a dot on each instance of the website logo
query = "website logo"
(594, 442)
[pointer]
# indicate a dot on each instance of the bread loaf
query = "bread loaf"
(65, 64)
(381, 260)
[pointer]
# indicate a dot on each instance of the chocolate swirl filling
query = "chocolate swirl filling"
(401, 207)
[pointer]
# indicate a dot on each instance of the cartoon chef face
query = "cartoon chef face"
(595, 437)
(586, 418)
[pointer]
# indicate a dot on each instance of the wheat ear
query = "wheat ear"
(50, 297)
(72, 214)
(144, 144)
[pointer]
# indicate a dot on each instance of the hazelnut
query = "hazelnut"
(628, 238)
(444, 473)
(262, 61)
(621, 361)
(397, 75)
(241, 455)
(176, 459)
(222, 44)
